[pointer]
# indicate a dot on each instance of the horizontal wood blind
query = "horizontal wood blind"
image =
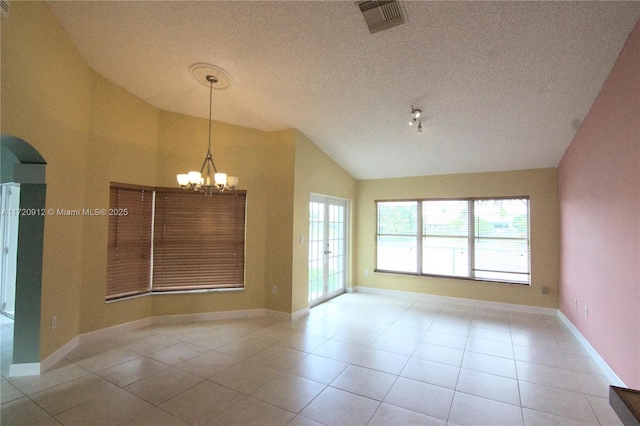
(198, 241)
(129, 249)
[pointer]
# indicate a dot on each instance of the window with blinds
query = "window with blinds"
(129, 249)
(165, 239)
(479, 239)
(198, 241)
(398, 237)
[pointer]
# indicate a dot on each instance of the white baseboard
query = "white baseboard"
(92, 336)
(109, 332)
(457, 300)
(116, 330)
(282, 316)
(58, 355)
(299, 314)
(211, 316)
(611, 375)
(608, 371)
(26, 369)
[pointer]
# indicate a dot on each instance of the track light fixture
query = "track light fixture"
(415, 118)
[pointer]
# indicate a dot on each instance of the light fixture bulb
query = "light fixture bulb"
(220, 179)
(411, 123)
(415, 113)
(194, 178)
(183, 179)
(232, 181)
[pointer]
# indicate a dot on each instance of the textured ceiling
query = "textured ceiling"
(502, 86)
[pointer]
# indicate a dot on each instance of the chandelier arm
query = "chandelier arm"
(204, 163)
(209, 160)
(213, 163)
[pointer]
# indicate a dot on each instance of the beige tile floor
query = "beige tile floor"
(357, 359)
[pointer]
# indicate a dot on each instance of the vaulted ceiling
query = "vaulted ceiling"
(502, 85)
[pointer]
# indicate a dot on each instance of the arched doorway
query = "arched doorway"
(21, 164)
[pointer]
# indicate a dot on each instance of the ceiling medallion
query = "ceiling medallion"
(201, 71)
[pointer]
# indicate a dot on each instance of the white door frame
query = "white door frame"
(324, 255)
(9, 206)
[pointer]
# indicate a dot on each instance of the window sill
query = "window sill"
(450, 277)
(157, 293)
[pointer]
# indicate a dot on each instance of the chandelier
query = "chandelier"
(208, 180)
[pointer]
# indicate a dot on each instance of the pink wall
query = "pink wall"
(599, 192)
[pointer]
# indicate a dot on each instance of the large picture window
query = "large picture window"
(165, 239)
(479, 239)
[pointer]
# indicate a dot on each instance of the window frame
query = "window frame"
(127, 276)
(225, 243)
(145, 286)
(471, 238)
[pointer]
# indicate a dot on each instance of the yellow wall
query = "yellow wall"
(91, 132)
(46, 99)
(253, 156)
(279, 213)
(540, 185)
(122, 148)
(315, 173)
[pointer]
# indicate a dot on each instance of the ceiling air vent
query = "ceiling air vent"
(381, 15)
(5, 8)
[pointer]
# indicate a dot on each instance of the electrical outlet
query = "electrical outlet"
(274, 289)
(575, 302)
(366, 272)
(586, 311)
(54, 322)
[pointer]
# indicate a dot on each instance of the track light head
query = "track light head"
(415, 118)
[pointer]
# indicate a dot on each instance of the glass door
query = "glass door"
(327, 248)
(9, 205)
